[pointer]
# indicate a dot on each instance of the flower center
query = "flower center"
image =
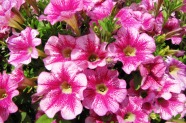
(92, 57)
(67, 52)
(30, 50)
(143, 94)
(66, 88)
(3, 94)
(102, 89)
(163, 102)
(129, 117)
(173, 70)
(130, 51)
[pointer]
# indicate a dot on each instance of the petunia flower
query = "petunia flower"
(62, 90)
(8, 86)
(152, 72)
(94, 118)
(104, 91)
(23, 47)
(65, 10)
(8, 17)
(132, 112)
(176, 70)
(101, 10)
(90, 51)
(131, 48)
(167, 108)
(58, 49)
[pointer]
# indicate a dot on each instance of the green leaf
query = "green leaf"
(25, 118)
(137, 80)
(44, 119)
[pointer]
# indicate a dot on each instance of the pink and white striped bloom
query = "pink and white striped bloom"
(132, 112)
(58, 49)
(62, 90)
(23, 47)
(152, 72)
(90, 51)
(167, 108)
(58, 10)
(6, 14)
(101, 10)
(176, 70)
(131, 48)
(8, 86)
(136, 19)
(104, 91)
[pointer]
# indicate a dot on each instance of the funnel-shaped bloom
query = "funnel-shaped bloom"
(8, 86)
(90, 51)
(59, 10)
(64, 10)
(62, 90)
(152, 72)
(132, 112)
(6, 15)
(22, 47)
(58, 49)
(177, 71)
(167, 108)
(131, 48)
(104, 91)
(101, 10)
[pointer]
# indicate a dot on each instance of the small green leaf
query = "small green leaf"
(137, 80)
(44, 119)
(25, 118)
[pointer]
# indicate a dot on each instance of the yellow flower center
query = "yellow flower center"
(129, 117)
(130, 51)
(92, 58)
(30, 50)
(3, 94)
(102, 89)
(173, 70)
(66, 88)
(67, 52)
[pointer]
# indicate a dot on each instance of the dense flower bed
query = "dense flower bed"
(92, 61)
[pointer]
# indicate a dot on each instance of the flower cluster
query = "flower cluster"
(93, 61)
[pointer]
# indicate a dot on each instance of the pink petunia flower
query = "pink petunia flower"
(58, 49)
(7, 17)
(62, 90)
(94, 118)
(22, 47)
(176, 70)
(140, 20)
(126, 18)
(167, 108)
(58, 10)
(101, 10)
(132, 112)
(171, 25)
(131, 48)
(152, 72)
(104, 91)
(8, 86)
(65, 10)
(90, 51)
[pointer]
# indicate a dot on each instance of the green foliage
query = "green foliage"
(25, 118)
(169, 6)
(137, 80)
(129, 2)
(106, 28)
(44, 119)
